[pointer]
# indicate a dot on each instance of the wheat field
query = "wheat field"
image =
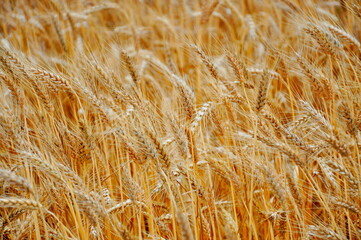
(180, 119)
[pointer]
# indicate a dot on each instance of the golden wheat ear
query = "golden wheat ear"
(262, 91)
(16, 180)
(19, 203)
(130, 66)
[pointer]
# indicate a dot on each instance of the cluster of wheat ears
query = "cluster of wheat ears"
(180, 119)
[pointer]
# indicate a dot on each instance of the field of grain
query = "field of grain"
(180, 119)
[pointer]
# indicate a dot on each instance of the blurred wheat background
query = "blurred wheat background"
(180, 119)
